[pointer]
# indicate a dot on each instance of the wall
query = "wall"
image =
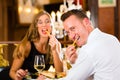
(119, 18)
(109, 19)
(106, 19)
(20, 32)
(3, 20)
(44, 2)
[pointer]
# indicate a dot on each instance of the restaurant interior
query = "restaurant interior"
(16, 16)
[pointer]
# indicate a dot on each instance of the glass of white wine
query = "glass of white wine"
(39, 63)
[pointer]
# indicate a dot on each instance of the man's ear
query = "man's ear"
(86, 22)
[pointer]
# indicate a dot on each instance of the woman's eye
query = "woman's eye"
(47, 21)
(39, 22)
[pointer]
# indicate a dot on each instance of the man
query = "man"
(99, 54)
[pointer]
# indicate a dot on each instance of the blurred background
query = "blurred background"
(16, 16)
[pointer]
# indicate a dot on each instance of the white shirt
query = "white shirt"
(100, 57)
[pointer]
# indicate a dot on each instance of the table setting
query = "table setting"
(39, 65)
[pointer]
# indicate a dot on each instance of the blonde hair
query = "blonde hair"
(31, 35)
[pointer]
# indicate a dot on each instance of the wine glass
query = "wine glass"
(39, 63)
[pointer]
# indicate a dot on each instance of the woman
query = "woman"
(36, 42)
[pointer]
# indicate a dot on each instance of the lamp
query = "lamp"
(26, 11)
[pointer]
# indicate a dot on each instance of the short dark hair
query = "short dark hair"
(78, 13)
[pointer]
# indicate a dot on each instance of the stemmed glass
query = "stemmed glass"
(39, 63)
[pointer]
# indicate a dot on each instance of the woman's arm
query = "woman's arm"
(56, 48)
(17, 63)
(15, 71)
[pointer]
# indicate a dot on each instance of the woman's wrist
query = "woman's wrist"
(54, 51)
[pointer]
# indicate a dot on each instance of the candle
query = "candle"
(58, 16)
(64, 2)
(78, 3)
(53, 16)
(88, 14)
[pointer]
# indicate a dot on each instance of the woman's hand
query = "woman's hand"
(53, 42)
(71, 54)
(41, 77)
(20, 74)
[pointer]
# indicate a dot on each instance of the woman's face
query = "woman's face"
(44, 24)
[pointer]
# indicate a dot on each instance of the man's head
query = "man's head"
(77, 25)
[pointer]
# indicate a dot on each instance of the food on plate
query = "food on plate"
(53, 74)
(60, 75)
(48, 74)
